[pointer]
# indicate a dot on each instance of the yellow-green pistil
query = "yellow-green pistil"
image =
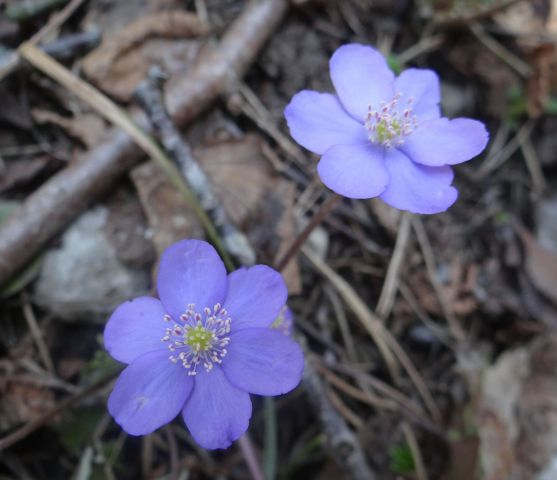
(387, 126)
(199, 338)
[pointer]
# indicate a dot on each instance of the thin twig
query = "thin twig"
(149, 95)
(326, 207)
(450, 20)
(343, 444)
(533, 164)
(251, 458)
(429, 259)
(390, 285)
(37, 335)
(513, 61)
(415, 450)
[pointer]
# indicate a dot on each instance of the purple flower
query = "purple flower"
(383, 135)
(202, 348)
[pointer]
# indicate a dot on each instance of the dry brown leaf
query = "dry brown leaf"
(121, 62)
(20, 172)
(169, 219)
(20, 402)
(541, 264)
(543, 61)
(87, 127)
(256, 200)
(516, 411)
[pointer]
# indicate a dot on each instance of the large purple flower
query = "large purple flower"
(383, 135)
(202, 349)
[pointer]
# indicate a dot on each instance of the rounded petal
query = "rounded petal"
(263, 361)
(422, 87)
(255, 297)
(354, 171)
(136, 327)
(417, 188)
(217, 412)
(317, 121)
(446, 142)
(191, 271)
(361, 78)
(149, 393)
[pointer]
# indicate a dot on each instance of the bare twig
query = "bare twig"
(343, 443)
(315, 221)
(37, 335)
(150, 97)
(390, 285)
(60, 200)
(451, 20)
(429, 259)
(415, 450)
(513, 61)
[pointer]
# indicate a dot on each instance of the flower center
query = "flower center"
(387, 126)
(198, 338)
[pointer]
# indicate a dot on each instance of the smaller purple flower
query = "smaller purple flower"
(202, 348)
(382, 135)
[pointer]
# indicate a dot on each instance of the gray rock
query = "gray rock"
(84, 279)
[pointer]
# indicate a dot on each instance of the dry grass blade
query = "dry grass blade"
(390, 349)
(429, 259)
(371, 323)
(390, 285)
(421, 473)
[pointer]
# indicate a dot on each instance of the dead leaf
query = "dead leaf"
(87, 127)
(121, 62)
(21, 172)
(538, 88)
(541, 264)
(168, 216)
(257, 201)
(21, 402)
(516, 410)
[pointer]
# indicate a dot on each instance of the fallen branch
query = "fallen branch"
(60, 200)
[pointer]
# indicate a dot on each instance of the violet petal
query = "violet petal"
(361, 77)
(255, 297)
(354, 171)
(422, 86)
(317, 121)
(263, 361)
(217, 412)
(136, 327)
(446, 142)
(191, 272)
(149, 393)
(418, 188)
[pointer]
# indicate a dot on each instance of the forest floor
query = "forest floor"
(432, 338)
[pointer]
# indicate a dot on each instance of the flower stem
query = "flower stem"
(251, 458)
(270, 451)
(325, 208)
